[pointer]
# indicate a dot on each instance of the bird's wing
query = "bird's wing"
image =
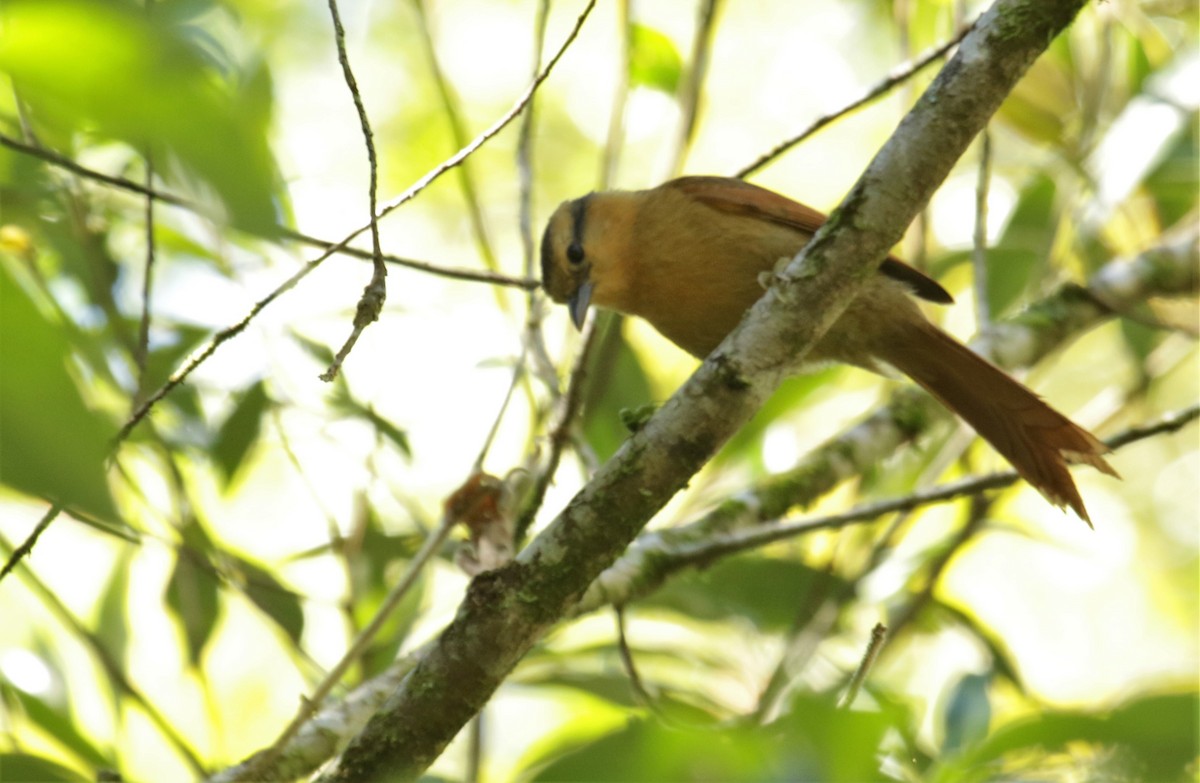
(734, 196)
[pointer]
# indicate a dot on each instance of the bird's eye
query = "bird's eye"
(575, 253)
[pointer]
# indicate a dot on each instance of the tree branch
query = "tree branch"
(1169, 269)
(507, 610)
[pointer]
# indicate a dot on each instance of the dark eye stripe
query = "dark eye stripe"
(579, 207)
(547, 257)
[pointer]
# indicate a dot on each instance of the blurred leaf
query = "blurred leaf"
(1035, 106)
(112, 619)
(593, 669)
(769, 592)
(745, 445)
(845, 743)
(240, 430)
(163, 360)
(278, 602)
(374, 568)
(1140, 339)
(1174, 182)
(654, 61)
(968, 713)
(27, 768)
(1024, 246)
(343, 403)
(57, 722)
(54, 446)
(938, 614)
(192, 591)
(1158, 732)
(816, 741)
(138, 80)
(616, 381)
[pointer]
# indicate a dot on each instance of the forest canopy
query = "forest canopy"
(295, 452)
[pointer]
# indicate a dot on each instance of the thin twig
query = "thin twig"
(517, 374)
(310, 704)
(229, 332)
(535, 303)
(175, 200)
(375, 294)
(109, 664)
(694, 85)
(142, 351)
(878, 635)
(27, 545)
(979, 254)
(214, 343)
(640, 694)
(458, 134)
(721, 545)
(977, 515)
(897, 75)
(611, 156)
(568, 410)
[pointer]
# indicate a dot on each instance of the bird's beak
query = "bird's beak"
(578, 304)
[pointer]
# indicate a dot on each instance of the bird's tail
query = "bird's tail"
(1038, 440)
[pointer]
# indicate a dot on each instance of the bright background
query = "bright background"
(223, 559)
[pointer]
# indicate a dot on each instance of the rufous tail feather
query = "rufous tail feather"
(1039, 441)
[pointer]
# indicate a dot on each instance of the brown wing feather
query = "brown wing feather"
(742, 198)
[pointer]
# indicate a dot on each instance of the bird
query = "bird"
(689, 256)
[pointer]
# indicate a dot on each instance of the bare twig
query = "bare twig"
(977, 516)
(142, 350)
(898, 75)
(458, 135)
(232, 331)
(165, 197)
(30, 541)
(610, 158)
(878, 635)
(640, 694)
(568, 410)
(375, 294)
(721, 545)
(256, 769)
(112, 668)
(979, 254)
(694, 84)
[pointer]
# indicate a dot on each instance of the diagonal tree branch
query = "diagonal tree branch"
(1166, 270)
(1170, 269)
(507, 610)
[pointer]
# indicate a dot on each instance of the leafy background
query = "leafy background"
(206, 571)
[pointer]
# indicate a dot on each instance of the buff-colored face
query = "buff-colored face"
(565, 266)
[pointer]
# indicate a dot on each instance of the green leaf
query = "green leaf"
(793, 393)
(374, 569)
(616, 381)
(112, 618)
(240, 430)
(192, 591)
(1023, 247)
(57, 722)
(52, 445)
(654, 61)
(273, 598)
(1158, 732)
(968, 713)
(27, 768)
(769, 592)
(815, 741)
(1175, 181)
(133, 77)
